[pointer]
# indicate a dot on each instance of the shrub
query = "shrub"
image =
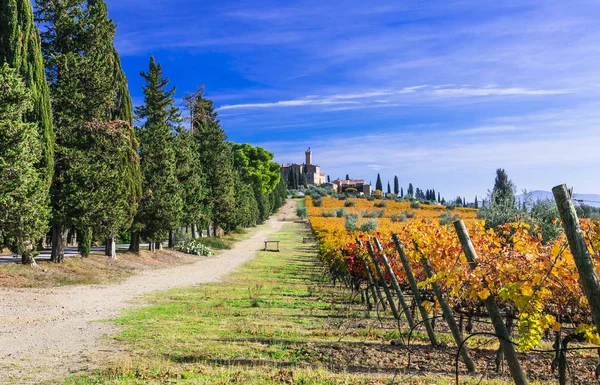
(317, 201)
(409, 214)
(342, 197)
(415, 205)
(194, 247)
(327, 214)
(398, 217)
(380, 204)
(351, 222)
(370, 198)
(302, 212)
(349, 204)
(447, 218)
(214, 243)
(340, 213)
(368, 226)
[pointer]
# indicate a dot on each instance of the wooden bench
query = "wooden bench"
(267, 243)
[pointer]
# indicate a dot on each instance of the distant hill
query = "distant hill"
(588, 199)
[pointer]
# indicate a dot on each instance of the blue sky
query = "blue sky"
(440, 93)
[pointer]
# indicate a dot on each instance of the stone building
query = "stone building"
(311, 172)
(358, 185)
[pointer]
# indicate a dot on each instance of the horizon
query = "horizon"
(440, 95)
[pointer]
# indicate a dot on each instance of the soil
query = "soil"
(49, 333)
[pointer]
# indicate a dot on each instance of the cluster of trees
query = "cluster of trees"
(71, 157)
(411, 192)
(297, 179)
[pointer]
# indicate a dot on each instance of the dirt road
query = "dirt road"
(49, 333)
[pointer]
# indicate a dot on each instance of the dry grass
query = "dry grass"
(95, 269)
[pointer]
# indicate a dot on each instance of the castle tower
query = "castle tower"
(308, 156)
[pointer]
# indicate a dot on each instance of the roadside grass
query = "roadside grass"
(278, 319)
(98, 269)
(95, 269)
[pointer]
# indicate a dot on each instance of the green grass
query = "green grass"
(277, 320)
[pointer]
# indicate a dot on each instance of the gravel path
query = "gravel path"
(49, 333)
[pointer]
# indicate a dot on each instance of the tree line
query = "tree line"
(72, 160)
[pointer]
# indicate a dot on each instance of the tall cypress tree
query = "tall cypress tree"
(24, 209)
(20, 48)
(77, 43)
(378, 184)
(217, 163)
(161, 204)
(389, 189)
(396, 185)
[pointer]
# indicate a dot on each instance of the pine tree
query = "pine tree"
(24, 209)
(396, 185)
(161, 204)
(217, 163)
(20, 48)
(504, 189)
(77, 44)
(378, 184)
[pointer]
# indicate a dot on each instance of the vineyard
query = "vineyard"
(425, 265)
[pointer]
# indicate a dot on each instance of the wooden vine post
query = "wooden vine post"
(514, 366)
(578, 246)
(449, 317)
(388, 294)
(415, 292)
(376, 293)
(396, 285)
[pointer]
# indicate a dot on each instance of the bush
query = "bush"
(380, 204)
(368, 226)
(194, 247)
(349, 204)
(373, 214)
(415, 205)
(302, 212)
(370, 198)
(447, 218)
(351, 222)
(340, 213)
(342, 197)
(409, 214)
(398, 217)
(214, 243)
(317, 201)
(327, 214)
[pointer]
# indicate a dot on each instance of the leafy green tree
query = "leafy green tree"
(217, 163)
(24, 209)
(378, 184)
(77, 45)
(20, 47)
(504, 189)
(256, 167)
(161, 204)
(396, 185)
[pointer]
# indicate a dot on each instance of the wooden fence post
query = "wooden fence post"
(376, 293)
(415, 290)
(396, 285)
(514, 366)
(386, 289)
(449, 317)
(578, 246)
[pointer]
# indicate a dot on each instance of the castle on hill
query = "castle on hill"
(308, 172)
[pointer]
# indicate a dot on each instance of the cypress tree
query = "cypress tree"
(503, 192)
(20, 48)
(410, 190)
(328, 179)
(378, 184)
(217, 163)
(161, 204)
(82, 69)
(396, 185)
(476, 202)
(401, 192)
(439, 198)
(24, 209)
(347, 177)
(389, 189)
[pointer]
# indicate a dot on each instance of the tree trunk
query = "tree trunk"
(110, 249)
(58, 244)
(134, 245)
(158, 245)
(215, 226)
(74, 237)
(194, 231)
(151, 246)
(27, 259)
(171, 239)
